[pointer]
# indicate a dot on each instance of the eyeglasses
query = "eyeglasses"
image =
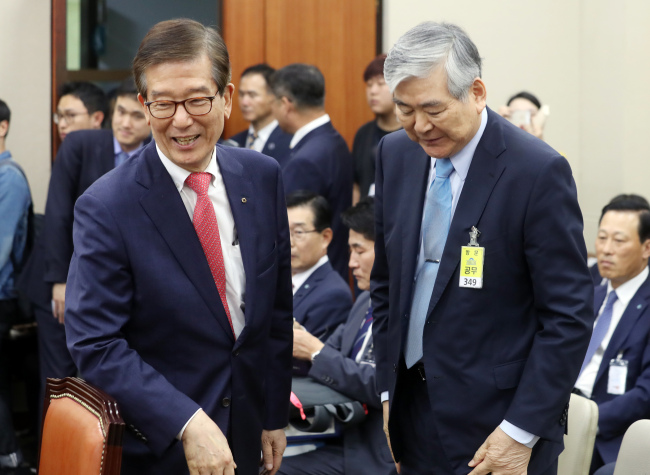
(193, 106)
(299, 234)
(67, 116)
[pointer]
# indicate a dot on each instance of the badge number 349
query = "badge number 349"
(471, 267)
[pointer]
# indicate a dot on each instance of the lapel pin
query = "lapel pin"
(638, 307)
(243, 200)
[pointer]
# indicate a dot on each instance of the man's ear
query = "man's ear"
(4, 127)
(96, 119)
(327, 234)
(479, 92)
(227, 95)
(646, 249)
(146, 109)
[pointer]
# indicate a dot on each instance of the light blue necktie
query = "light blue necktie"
(120, 158)
(600, 330)
(435, 227)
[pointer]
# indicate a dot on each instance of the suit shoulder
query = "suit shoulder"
(249, 158)
(88, 137)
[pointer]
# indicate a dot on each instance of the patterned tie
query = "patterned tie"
(437, 217)
(361, 334)
(600, 329)
(207, 229)
(250, 140)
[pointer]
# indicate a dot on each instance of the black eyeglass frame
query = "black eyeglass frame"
(176, 103)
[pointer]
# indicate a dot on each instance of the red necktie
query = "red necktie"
(207, 229)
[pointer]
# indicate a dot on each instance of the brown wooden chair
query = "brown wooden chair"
(82, 430)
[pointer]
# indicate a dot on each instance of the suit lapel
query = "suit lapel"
(242, 204)
(416, 176)
(311, 283)
(637, 306)
(360, 313)
(105, 152)
(484, 172)
(164, 206)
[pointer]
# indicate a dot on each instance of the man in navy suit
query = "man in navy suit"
(256, 104)
(321, 298)
(616, 370)
(84, 156)
(476, 357)
(320, 160)
(346, 363)
(179, 294)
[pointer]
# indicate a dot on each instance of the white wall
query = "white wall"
(25, 86)
(587, 59)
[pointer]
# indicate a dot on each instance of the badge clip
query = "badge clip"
(473, 237)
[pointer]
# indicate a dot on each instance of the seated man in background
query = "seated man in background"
(380, 101)
(84, 156)
(321, 298)
(82, 106)
(256, 105)
(346, 363)
(526, 112)
(616, 370)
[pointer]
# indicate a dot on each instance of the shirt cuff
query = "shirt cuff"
(520, 435)
(180, 434)
(384, 396)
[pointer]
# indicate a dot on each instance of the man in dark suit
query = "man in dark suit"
(616, 371)
(256, 104)
(84, 156)
(179, 293)
(346, 363)
(321, 298)
(477, 367)
(320, 160)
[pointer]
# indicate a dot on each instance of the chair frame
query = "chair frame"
(102, 406)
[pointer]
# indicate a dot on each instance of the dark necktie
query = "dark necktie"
(250, 140)
(600, 329)
(207, 229)
(361, 334)
(435, 227)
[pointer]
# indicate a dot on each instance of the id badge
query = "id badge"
(617, 376)
(471, 262)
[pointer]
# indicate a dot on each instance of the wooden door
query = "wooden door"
(337, 36)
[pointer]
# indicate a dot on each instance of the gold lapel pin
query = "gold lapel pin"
(243, 200)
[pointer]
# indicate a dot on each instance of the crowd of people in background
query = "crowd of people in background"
(349, 230)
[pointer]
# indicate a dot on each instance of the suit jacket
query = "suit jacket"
(321, 162)
(631, 338)
(322, 302)
(277, 145)
(144, 320)
(513, 349)
(364, 445)
(84, 156)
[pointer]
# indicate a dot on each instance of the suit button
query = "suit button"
(236, 353)
(225, 402)
(394, 368)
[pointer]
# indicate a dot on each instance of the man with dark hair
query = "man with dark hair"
(82, 105)
(15, 204)
(526, 112)
(320, 160)
(321, 298)
(84, 156)
(364, 149)
(179, 291)
(256, 104)
(481, 294)
(616, 371)
(346, 363)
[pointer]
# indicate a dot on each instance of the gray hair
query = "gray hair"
(421, 49)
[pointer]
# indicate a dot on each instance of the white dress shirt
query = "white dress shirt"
(305, 129)
(233, 264)
(624, 292)
(301, 277)
(262, 135)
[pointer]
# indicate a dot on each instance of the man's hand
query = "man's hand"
(500, 454)
(305, 344)
(386, 407)
(58, 301)
(206, 448)
(273, 444)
